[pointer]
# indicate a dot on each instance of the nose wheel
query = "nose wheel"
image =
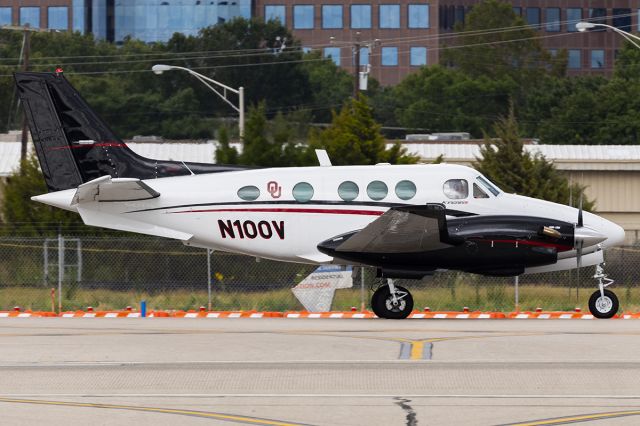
(391, 301)
(603, 303)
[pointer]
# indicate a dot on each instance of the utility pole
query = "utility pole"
(356, 46)
(356, 66)
(26, 50)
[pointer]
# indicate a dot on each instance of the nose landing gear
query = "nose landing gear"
(603, 303)
(391, 301)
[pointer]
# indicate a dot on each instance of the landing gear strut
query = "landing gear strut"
(392, 301)
(603, 303)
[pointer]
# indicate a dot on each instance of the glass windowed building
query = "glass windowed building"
(115, 20)
(593, 52)
(156, 20)
(408, 30)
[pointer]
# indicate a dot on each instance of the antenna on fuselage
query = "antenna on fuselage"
(323, 158)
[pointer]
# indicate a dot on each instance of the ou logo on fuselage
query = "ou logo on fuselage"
(274, 189)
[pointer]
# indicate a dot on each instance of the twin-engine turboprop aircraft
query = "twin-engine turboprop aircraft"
(407, 221)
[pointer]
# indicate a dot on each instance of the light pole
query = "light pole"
(211, 83)
(633, 39)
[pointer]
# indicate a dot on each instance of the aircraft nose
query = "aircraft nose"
(614, 233)
(588, 237)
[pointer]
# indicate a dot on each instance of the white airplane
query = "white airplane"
(407, 220)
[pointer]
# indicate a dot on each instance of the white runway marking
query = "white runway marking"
(308, 395)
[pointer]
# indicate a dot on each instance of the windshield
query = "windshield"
(491, 187)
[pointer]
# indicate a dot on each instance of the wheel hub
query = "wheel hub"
(604, 304)
(399, 305)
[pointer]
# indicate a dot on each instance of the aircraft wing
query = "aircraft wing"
(106, 188)
(403, 229)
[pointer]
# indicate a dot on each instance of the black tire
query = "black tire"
(606, 308)
(382, 303)
(374, 303)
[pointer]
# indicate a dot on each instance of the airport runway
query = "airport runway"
(110, 371)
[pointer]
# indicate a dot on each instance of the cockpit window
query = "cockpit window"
(456, 189)
(478, 192)
(491, 187)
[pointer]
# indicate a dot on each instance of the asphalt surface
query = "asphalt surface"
(68, 371)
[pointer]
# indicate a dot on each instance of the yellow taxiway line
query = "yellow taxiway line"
(579, 418)
(205, 414)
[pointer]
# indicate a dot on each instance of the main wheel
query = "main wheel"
(603, 307)
(383, 306)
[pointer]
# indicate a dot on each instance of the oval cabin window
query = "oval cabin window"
(348, 191)
(405, 190)
(302, 192)
(377, 190)
(249, 193)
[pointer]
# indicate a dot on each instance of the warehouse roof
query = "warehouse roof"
(565, 157)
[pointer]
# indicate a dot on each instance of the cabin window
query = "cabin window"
(377, 190)
(456, 189)
(348, 191)
(478, 192)
(405, 190)
(302, 192)
(248, 193)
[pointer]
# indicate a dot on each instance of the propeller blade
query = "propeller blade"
(580, 223)
(579, 245)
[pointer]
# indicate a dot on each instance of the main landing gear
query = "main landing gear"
(603, 303)
(392, 301)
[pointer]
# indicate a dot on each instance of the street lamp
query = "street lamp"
(209, 82)
(633, 39)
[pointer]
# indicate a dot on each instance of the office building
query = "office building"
(396, 37)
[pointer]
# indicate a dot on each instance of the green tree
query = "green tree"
(354, 138)
(505, 162)
(438, 99)
(26, 217)
(628, 62)
(329, 84)
(267, 143)
(225, 153)
(495, 43)
(267, 72)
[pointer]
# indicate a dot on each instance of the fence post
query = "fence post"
(362, 289)
(517, 283)
(60, 269)
(209, 276)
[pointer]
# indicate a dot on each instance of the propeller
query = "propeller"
(579, 245)
(579, 242)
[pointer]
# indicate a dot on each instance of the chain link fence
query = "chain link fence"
(115, 272)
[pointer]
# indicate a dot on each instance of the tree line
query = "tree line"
(483, 72)
(497, 85)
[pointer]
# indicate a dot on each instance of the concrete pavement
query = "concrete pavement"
(322, 372)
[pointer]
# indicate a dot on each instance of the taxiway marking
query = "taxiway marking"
(578, 419)
(191, 413)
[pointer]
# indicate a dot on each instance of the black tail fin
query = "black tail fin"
(75, 146)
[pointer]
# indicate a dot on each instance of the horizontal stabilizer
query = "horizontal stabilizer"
(106, 188)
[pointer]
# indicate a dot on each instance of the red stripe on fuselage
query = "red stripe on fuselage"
(560, 247)
(289, 210)
(100, 144)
